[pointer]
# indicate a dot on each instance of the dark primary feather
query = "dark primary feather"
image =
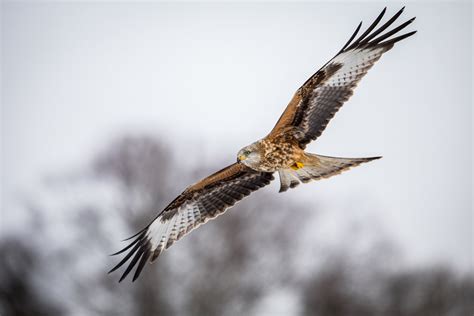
(367, 32)
(366, 40)
(202, 204)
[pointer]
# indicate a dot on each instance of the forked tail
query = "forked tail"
(315, 167)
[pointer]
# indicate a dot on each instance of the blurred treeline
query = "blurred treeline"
(258, 259)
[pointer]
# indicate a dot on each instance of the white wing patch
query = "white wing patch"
(355, 65)
(163, 233)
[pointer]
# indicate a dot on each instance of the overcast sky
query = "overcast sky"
(211, 78)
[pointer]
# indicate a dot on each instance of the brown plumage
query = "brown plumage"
(282, 151)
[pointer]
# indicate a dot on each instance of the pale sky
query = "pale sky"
(212, 78)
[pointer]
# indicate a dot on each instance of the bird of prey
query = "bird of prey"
(282, 150)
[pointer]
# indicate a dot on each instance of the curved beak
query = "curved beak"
(241, 157)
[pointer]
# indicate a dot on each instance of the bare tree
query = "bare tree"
(225, 267)
(19, 295)
(433, 291)
(338, 290)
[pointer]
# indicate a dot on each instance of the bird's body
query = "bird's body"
(277, 152)
(282, 150)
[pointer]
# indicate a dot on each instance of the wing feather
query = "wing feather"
(323, 94)
(198, 204)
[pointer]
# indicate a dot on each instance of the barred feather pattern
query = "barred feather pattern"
(187, 212)
(326, 91)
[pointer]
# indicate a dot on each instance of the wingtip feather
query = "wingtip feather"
(135, 235)
(127, 247)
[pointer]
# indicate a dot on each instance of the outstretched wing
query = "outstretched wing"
(321, 96)
(195, 206)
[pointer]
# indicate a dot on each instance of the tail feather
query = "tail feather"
(317, 167)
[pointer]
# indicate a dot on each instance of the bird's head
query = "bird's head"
(250, 155)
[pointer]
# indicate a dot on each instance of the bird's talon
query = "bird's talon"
(297, 165)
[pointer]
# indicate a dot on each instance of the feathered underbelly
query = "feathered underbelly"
(278, 156)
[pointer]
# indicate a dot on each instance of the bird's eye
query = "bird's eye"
(247, 152)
